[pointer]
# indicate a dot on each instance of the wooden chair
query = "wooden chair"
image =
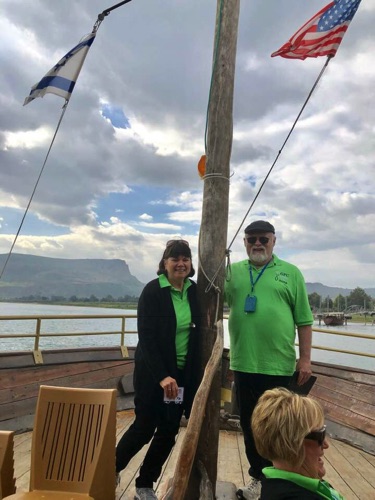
(7, 479)
(73, 445)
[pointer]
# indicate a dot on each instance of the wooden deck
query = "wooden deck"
(349, 470)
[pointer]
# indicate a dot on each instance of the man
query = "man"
(268, 300)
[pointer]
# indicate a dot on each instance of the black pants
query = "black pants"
(249, 388)
(156, 421)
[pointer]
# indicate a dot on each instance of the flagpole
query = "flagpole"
(282, 147)
(101, 17)
(105, 13)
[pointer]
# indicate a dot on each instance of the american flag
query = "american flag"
(322, 34)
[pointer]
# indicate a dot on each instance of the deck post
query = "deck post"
(214, 224)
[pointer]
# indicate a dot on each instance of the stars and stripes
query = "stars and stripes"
(322, 34)
(60, 80)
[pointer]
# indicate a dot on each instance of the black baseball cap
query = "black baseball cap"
(260, 226)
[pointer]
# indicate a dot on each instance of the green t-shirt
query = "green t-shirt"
(263, 341)
(318, 486)
(183, 317)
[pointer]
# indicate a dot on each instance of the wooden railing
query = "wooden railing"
(39, 334)
(122, 332)
(344, 334)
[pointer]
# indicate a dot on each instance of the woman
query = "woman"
(289, 430)
(165, 360)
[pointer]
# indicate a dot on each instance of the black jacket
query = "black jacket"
(282, 489)
(155, 356)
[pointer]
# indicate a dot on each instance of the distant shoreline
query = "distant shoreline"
(104, 305)
(356, 318)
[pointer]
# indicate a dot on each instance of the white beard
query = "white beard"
(258, 258)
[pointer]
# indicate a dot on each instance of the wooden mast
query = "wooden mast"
(214, 225)
(196, 469)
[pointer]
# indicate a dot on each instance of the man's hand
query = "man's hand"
(170, 387)
(304, 362)
(304, 369)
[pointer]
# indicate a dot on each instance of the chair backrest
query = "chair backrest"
(7, 479)
(74, 441)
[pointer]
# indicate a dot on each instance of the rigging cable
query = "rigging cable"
(282, 147)
(227, 252)
(36, 185)
(95, 28)
(211, 281)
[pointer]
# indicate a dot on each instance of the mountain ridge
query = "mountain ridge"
(333, 291)
(27, 275)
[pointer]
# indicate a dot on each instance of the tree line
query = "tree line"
(129, 299)
(357, 299)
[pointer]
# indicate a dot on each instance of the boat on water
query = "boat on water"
(334, 319)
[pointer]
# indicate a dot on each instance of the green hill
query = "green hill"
(27, 275)
(31, 275)
(332, 292)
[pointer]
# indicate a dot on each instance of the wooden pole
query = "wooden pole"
(180, 481)
(214, 225)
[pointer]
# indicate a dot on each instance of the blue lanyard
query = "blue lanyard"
(253, 283)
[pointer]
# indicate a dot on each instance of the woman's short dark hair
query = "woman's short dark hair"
(174, 249)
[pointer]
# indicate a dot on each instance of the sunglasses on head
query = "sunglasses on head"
(318, 435)
(172, 242)
(253, 239)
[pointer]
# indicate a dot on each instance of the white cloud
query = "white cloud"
(27, 139)
(146, 217)
(159, 225)
(122, 193)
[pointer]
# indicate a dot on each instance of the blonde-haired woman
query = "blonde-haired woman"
(289, 430)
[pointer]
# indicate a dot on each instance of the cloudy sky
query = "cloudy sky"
(122, 176)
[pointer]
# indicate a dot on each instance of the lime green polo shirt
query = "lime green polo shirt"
(318, 486)
(263, 341)
(183, 318)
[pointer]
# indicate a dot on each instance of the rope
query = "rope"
(215, 175)
(35, 187)
(212, 73)
(95, 28)
(282, 147)
(227, 251)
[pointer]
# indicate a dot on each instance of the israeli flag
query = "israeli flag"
(60, 80)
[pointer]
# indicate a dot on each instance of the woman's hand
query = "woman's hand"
(170, 387)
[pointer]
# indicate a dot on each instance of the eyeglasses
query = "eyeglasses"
(171, 242)
(253, 239)
(318, 435)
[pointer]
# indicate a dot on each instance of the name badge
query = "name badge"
(250, 304)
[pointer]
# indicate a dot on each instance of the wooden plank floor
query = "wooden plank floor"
(349, 470)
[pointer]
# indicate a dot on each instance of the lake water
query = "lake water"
(114, 325)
